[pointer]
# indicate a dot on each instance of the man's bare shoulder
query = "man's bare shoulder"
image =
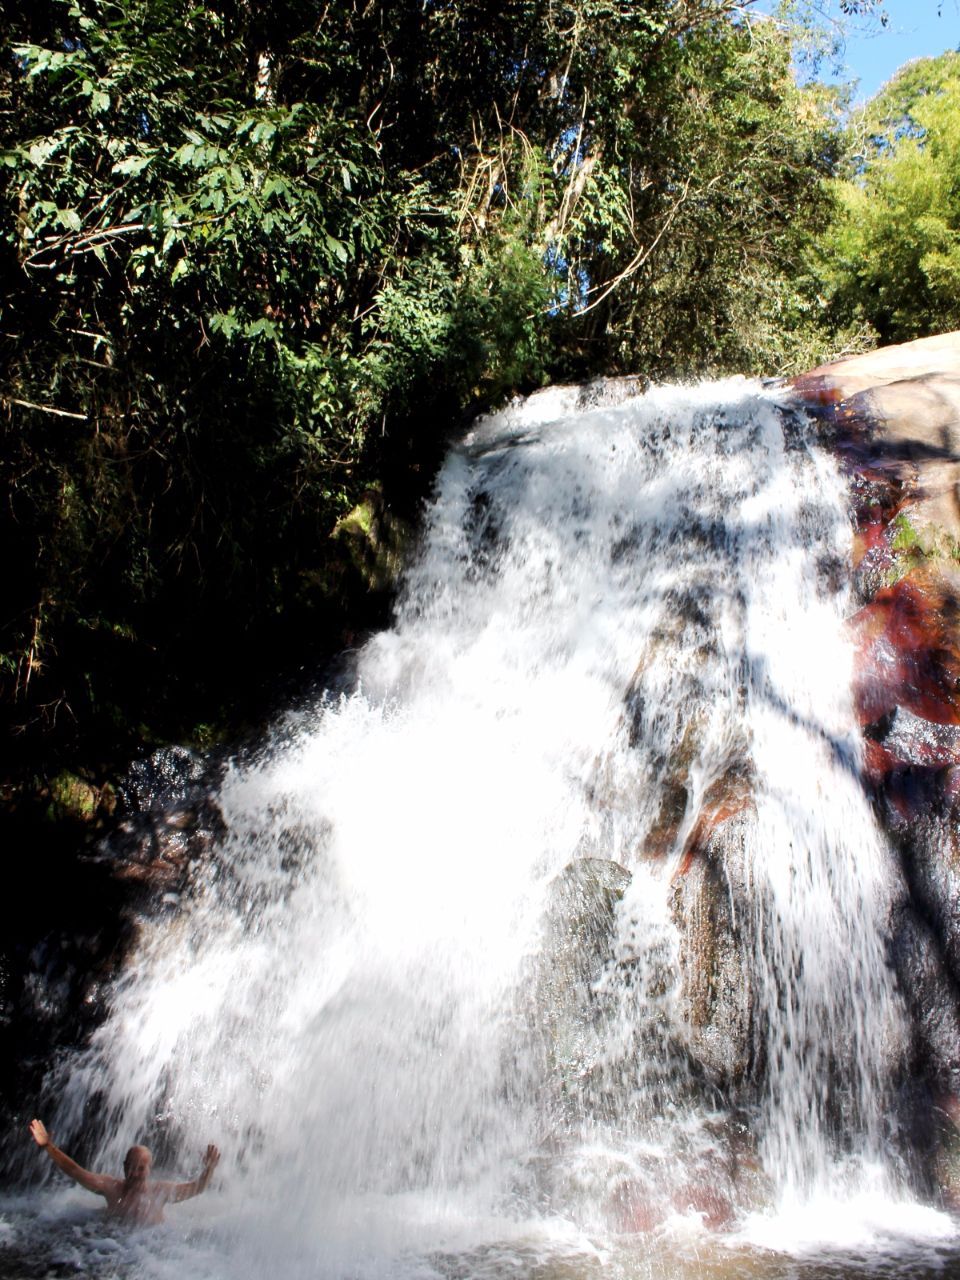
(112, 1188)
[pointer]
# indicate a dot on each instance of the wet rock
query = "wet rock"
(81, 911)
(726, 796)
(670, 812)
(924, 974)
(893, 418)
(578, 943)
(165, 779)
(582, 901)
(712, 910)
(715, 1209)
(711, 907)
(170, 821)
(908, 652)
(931, 863)
(946, 1163)
(715, 1179)
(637, 1208)
(910, 739)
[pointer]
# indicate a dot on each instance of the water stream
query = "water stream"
(435, 993)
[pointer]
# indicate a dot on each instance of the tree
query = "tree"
(252, 268)
(892, 258)
(173, 246)
(723, 208)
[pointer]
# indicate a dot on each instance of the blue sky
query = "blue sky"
(916, 29)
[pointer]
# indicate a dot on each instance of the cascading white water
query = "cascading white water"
(371, 999)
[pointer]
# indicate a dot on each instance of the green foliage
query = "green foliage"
(892, 258)
(905, 537)
(721, 221)
(252, 263)
(913, 547)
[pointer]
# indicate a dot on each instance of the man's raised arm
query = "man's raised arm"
(187, 1190)
(100, 1184)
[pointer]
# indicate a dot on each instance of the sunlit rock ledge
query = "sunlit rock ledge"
(897, 415)
(893, 418)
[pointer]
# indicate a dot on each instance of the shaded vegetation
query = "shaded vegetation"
(256, 262)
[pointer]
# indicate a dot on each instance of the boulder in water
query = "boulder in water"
(712, 909)
(579, 931)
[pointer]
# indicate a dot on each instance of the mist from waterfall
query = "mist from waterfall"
(428, 994)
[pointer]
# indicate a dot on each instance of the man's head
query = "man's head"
(137, 1164)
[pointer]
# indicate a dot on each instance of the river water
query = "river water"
(429, 993)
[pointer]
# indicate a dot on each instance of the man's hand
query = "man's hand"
(38, 1131)
(99, 1183)
(186, 1190)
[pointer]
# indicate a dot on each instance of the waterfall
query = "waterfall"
(435, 986)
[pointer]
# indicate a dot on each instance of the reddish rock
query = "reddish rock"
(158, 874)
(907, 653)
(637, 1209)
(892, 417)
(727, 796)
(715, 1208)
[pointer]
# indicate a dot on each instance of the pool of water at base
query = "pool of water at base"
(49, 1235)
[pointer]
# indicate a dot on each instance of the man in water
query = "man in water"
(133, 1197)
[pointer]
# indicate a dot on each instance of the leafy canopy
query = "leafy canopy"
(254, 261)
(892, 258)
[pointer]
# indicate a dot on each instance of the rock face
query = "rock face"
(68, 943)
(893, 418)
(711, 898)
(578, 936)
